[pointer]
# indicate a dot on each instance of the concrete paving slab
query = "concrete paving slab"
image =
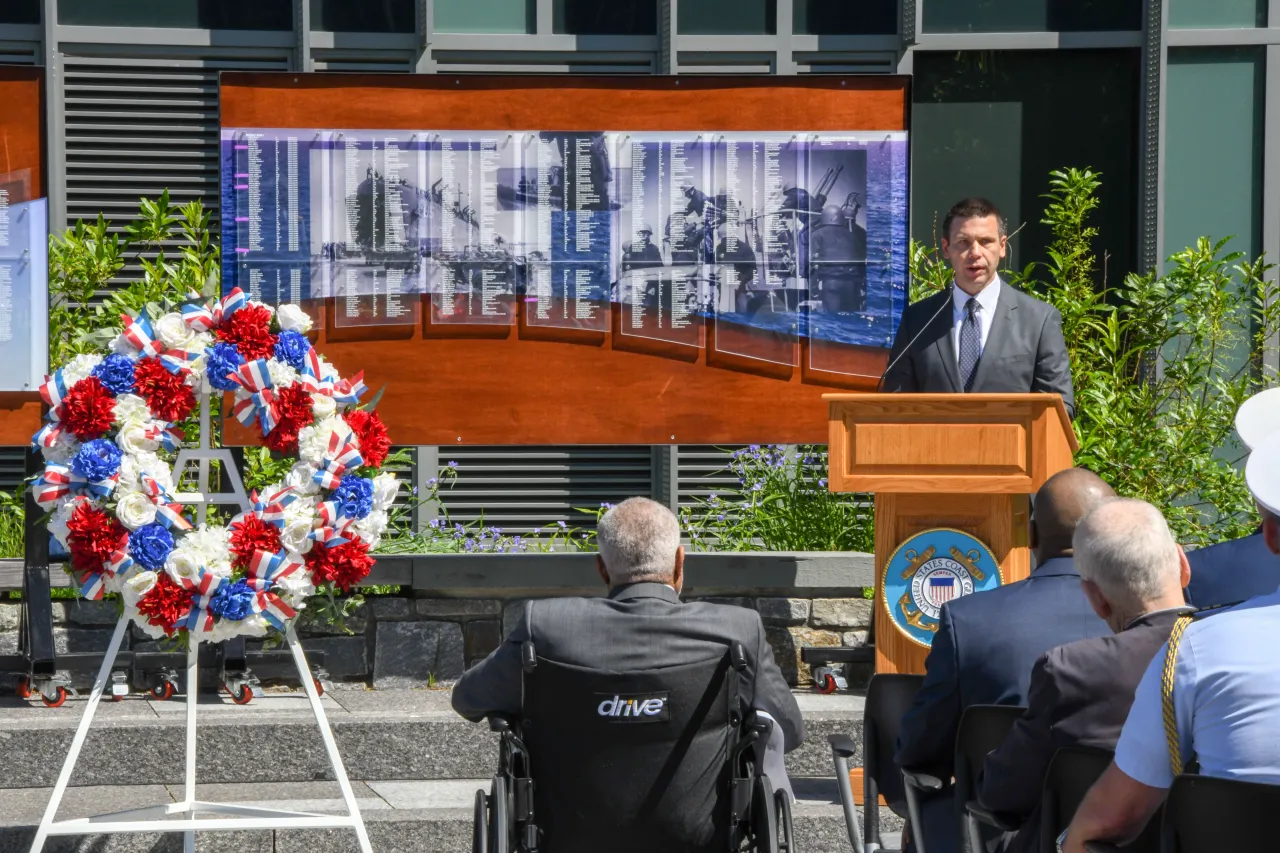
(430, 793)
(835, 703)
(270, 702)
(26, 805)
(426, 701)
(131, 707)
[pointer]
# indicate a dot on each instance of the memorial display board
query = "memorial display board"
(631, 251)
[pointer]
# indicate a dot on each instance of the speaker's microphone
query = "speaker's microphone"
(911, 343)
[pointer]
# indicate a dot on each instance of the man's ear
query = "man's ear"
(945, 244)
(603, 572)
(1097, 600)
(677, 571)
(1271, 532)
(1004, 245)
(1184, 568)
(1033, 534)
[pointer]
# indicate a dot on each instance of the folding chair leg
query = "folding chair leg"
(846, 802)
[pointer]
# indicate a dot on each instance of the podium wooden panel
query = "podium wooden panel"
(965, 461)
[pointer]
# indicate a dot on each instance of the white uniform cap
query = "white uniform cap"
(1262, 474)
(1259, 417)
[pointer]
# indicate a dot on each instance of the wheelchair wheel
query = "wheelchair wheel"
(764, 816)
(787, 843)
(499, 817)
(480, 825)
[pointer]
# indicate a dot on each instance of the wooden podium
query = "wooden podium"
(963, 461)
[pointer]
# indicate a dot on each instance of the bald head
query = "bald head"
(1062, 501)
(639, 540)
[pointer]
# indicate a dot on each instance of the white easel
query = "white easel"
(181, 817)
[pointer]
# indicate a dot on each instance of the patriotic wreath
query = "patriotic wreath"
(108, 483)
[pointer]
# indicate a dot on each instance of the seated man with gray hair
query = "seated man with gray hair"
(1132, 572)
(640, 625)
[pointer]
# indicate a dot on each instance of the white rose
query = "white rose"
(131, 410)
(282, 373)
(62, 515)
(134, 464)
(80, 367)
(322, 406)
(137, 582)
(155, 632)
(293, 535)
(328, 371)
(173, 332)
(135, 510)
(295, 589)
(210, 547)
(135, 439)
(371, 527)
(63, 451)
(385, 489)
(301, 478)
(313, 440)
(182, 566)
(293, 317)
(120, 346)
(197, 379)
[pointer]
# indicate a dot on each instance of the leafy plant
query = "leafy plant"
(12, 524)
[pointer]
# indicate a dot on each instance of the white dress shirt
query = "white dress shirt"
(987, 298)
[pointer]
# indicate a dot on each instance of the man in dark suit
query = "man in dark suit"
(1133, 574)
(987, 643)
(979, 335)
(1233, 571)
(642, 624)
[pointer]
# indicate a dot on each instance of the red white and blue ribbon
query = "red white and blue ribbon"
(94, 586)
(54, 389)
(176, 361)
(58, 481)
(203, 318)
(265, 571)
(48, 435)
(119, 562)
(348, 391)
(169, 436)
(271, 508)
(140, 333)
(328, 536)
(344, 455)
(168, 511)
(200, 618)
(255, 379)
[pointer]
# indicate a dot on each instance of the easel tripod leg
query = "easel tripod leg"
(193, 693)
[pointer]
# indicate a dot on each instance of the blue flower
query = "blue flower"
(354, 496)
(150, 545)
(96, 460)
(233, 601)
(222, 360)
(115, 372)
(453, 464)
(292, 348)
(822, 481)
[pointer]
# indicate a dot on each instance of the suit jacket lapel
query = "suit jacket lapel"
(1001, 324)
(944, 323)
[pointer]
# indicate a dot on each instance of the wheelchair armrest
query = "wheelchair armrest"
(1002, 822)
(922, 781)
(762, 726)
(842, 745)
(500, 723)
(1102, 847)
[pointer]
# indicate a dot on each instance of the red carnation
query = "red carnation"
(249, 329)
(166, 604)
(168, 397)
(88, 410)
(249, 535)
(345, 565)
(374, 442)
(293, 412)
(94, 536)
(283, 438)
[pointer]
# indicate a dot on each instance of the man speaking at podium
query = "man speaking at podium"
(994, 339)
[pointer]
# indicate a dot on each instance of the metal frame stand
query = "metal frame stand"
(204, 454)
(182, 817)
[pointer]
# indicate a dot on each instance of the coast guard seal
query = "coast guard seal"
(930, 569)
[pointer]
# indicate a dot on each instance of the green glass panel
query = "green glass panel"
(485, 16)
(727, 17)
(617, 17)
(1213, 149)
(1192, 14)
(1015, 16)
(840, 17)
(995, 124)
(367, 16)
(20, 12)
(199, 14)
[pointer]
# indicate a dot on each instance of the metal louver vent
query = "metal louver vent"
(363, 60)
(703, 471)
(846, 62)
(544, 62)
(12, 472)
(523, 488)
(18, 52)
(137, 126)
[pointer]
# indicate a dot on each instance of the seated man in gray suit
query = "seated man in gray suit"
(641, 624)
(979, 335)
(1133, 573)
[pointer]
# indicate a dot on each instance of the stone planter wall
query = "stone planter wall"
(453, 611)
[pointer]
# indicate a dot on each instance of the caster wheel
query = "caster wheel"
(24, 688)
(242, 696)
(828, 684)
(115, 698)
(162, 691)
(319, 687)
(57, 701)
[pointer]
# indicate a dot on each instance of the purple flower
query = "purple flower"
(453, 464)
(822, 481)
(115, 372)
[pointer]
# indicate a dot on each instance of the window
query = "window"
(617, 17)
(1007, 16)
(485, 16)
(367, 16)
(20, 12)
(727, 17)
(1217, 13)
(840, 17)
(200, 14)
(995, 123)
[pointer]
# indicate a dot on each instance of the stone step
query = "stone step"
(401, 817)
(381, 734)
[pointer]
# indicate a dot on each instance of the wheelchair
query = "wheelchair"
(656, 760)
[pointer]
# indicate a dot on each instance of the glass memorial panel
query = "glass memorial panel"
(24, 241)
(369, 16)
(196, 14)
(379, 221)
(475, 228)
(485, 16)
(1013, 16)
(1207, 14)
(727, 17)
(20, 12)
(753, 225)
(593, 18)
(566, 190)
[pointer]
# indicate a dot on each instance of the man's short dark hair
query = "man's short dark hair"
(968, 208)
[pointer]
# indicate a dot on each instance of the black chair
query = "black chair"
(982, 729)
(1203, 813)
(889, 695)
(663, 759)
(1071, 774)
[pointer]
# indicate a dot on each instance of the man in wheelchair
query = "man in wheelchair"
(635, 721)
